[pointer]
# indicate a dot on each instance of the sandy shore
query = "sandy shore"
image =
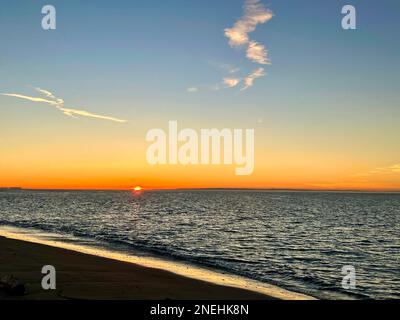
(85, 276)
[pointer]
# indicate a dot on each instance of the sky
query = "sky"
(324, 102)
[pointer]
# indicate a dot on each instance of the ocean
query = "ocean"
(299, 241)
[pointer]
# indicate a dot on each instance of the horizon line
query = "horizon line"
(205, 189)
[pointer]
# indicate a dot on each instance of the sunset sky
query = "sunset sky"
(325, 107)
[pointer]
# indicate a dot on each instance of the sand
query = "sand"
(85, 276)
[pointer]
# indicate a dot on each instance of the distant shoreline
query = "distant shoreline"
(206, 189)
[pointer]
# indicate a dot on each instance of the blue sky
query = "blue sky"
(131, 49)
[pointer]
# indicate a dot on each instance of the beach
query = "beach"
(85, 276)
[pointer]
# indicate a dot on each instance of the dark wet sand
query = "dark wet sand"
(84, 276)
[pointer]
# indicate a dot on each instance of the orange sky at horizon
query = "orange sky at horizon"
(121, 164)
(123, 175)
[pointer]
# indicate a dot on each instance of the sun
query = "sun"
(137, 188)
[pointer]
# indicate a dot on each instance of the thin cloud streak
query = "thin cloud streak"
(46, 93)
(83, 113)
(33, 99)
(395, 168)
(249, 80)
(59, 104)
(380, 170)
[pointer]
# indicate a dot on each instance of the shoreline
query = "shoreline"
(86, 272)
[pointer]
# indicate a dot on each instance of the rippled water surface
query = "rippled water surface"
(298, 240)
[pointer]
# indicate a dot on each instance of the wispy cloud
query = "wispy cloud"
(249, 80)
(257, 53)
(83, 113)
(58, 103)
(231, 82)
(254, 14)
(228, 82)
(381, 170)
(33, 99)
(46, 93)
(395, 168)
(229, 68)
(192, 89)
